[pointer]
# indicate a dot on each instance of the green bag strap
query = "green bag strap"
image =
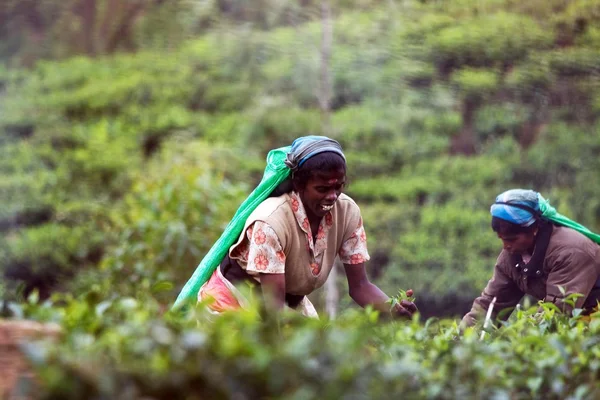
(551, 214)
(275, 172)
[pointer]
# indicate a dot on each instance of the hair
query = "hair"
(502, 226)
(326, 161)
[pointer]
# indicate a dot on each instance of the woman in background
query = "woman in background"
(538, 258)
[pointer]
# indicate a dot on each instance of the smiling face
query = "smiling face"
(321, 191)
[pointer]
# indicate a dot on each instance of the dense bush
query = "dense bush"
(45, 257)
(122, 348)
(475, 85)
(118, 172)
(173, 214)
(574, 62)
(81, 143)
(500, 120)
(486, 41)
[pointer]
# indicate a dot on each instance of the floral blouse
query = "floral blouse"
(261, 251)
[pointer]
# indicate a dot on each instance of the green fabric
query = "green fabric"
(275, 172)
(551, 214)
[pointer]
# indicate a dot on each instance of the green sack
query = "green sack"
(275, 172)
(551, 214)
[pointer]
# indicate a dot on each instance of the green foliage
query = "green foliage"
(500, 120)
(442, 246)
(418, 74)
(429, 24)
(573, 23)
(574, 62)
(119, 172)
(394, 138)
(173, 214)
(571, 167)
(590, 38)
(486, 41)
(22, 195)
(475, 84)
(52, 29)
(143, 79)
(82, 139)
(285, 67)
(277, 126)
(43, 257)
(529, 79)
(433, 223)
(575, 147)
(587, 9)
(122, 347)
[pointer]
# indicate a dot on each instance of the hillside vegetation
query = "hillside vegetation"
(129, 165)
(130, 135)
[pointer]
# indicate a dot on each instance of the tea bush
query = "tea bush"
(82, 140)
(123, 348)
(487, 41)
(173, 214)
(120, 171)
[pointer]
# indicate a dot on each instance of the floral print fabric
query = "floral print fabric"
(262, 252)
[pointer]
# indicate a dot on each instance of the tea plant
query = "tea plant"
(129, 348)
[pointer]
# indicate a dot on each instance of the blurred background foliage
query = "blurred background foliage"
(131, 130)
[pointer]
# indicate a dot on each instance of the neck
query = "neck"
(314, 220)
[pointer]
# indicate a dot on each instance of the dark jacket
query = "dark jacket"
(571, 260)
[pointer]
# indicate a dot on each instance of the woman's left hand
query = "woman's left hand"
(404, 309)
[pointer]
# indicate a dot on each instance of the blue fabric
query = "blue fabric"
(306, 147)
(527, 198)
(539, 208)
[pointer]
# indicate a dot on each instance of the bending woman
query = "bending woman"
(538, 258)
(289, 243)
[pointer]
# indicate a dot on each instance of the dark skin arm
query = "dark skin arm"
(365, 293)
(273, 289)
(361, 290)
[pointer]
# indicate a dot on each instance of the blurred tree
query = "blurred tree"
(58, 28)
(499, 78)
(473, 86)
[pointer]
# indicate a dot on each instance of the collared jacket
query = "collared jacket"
(571, 261)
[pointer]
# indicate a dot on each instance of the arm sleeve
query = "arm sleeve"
(507, 295)
(265, 254)
(575, 273)
(354, 248)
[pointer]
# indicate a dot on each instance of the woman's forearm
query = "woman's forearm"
(370, 294)
(273, 289)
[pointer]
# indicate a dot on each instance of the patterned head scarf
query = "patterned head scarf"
(518, 206)
(305, 147)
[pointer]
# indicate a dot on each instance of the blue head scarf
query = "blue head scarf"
(518, 206)
(305, 147)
